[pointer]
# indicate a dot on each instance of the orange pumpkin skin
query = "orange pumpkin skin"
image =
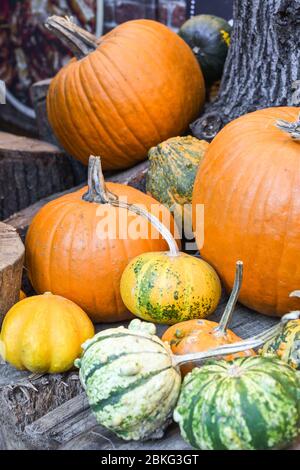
(249, 183)
(65, 255)
(140, 86)
(198, 335)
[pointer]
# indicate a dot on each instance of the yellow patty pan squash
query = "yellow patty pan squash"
(44, 334)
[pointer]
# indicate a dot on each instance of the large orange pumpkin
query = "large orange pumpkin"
(133, 88)
(78, 245)
(249, 183)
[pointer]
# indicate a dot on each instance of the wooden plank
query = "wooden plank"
(11, 266)
(135, 177)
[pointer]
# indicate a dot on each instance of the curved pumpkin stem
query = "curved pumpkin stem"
(292, 128)
(98, 192)
(220, 330)
(240, 346)
(79, 41)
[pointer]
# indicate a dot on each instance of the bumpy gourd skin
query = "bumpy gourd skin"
(172, 171)
(130, 381)
(168, 289)
(247, 404)
(286, 345)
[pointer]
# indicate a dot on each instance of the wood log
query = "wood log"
(135, 177)
(31, 169)
(11, 267)
(13, 120)
(38, 94)
(27, 400)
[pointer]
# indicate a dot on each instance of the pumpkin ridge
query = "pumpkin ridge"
(250, 411)
(113, 358)
(87, 94)
(285, 231)
(188, 425)
(118, 112)
(215, 434)
(138, 99)
(53, 111)
(67, 82)
(117, 394)
(113, 142)
(50, 245)
(119, 335)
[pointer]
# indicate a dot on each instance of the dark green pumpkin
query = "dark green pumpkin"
(209, 38)
(172, 171)
(249, 403)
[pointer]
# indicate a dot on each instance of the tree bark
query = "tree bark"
(11, 267)
(262, 68)
(31, 169)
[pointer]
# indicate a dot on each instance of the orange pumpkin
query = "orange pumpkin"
(78, 247)
(196, 336)
(135, 87)
(201, 335)
(249, 183)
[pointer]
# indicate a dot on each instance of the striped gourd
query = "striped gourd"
(249, 403)
(286, 345)
(172, 172)
(165, 288)
(131, 384)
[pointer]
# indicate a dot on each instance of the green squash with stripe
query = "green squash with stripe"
(286, 345)
(131, 384)
(172, 171)
(249, 403)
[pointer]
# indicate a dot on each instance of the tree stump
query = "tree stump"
(262, 68)
(11, 266)
(31, 169)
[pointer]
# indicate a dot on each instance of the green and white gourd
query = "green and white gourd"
(130, 381)
(250, 403)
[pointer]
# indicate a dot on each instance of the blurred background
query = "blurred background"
(28, 53)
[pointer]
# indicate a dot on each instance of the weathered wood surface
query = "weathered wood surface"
(38, 94)
(71, 425)
(135, 176)
(11, 267)
(31, 169)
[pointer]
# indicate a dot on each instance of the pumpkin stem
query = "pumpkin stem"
(292, 128)
(220, 330)
(240, 346)
(97, 192)
(79, 41)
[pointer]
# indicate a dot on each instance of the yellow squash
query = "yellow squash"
(170, 288)
(44, 333)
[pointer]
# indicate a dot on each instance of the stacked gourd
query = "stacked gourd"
(86, 271)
